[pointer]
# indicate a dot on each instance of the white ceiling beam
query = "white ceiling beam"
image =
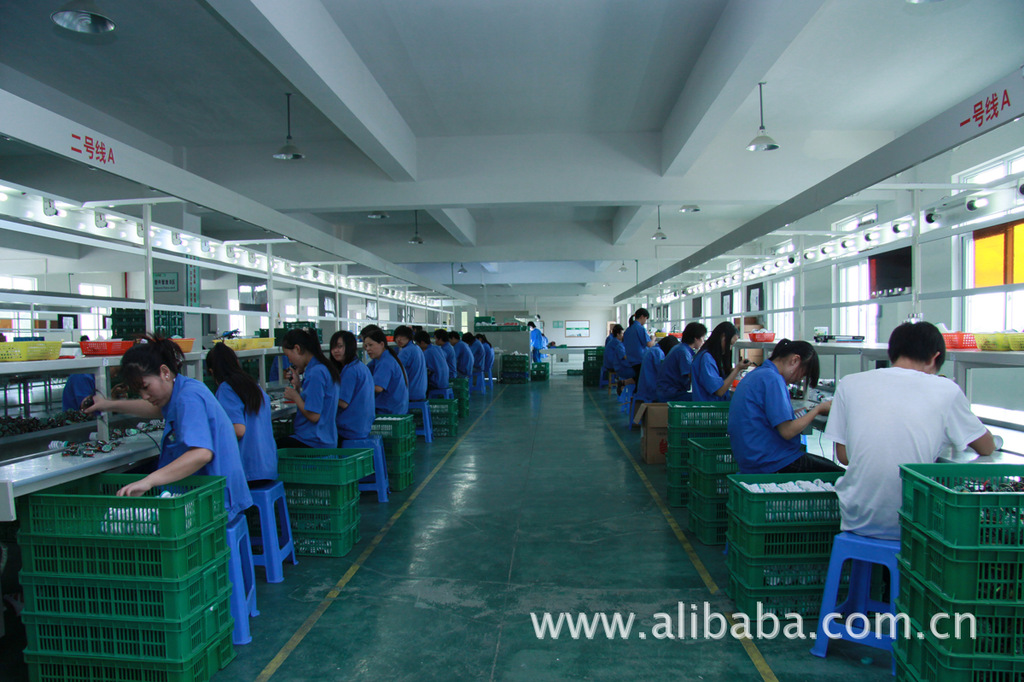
(493, 268)
(749, 37)
(627, 222)
(458, 221)
(301, 40)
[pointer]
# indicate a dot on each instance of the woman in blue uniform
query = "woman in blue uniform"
(198, 438)
(437, 365)
(712, 372)
(646, 386)
(443, 341)
(315, 396)
(463, 353)
(488, 353)
(635, 339)
(536, 341)
(477, 348)
(674, 374)
(248, 407)
(391, 390)
(411, 357)
(763, 429)
(356, 408)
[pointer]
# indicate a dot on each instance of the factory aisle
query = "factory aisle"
(538, 509)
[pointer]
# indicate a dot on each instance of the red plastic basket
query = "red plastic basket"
(762, 336)
(106, 347)
(959, 341)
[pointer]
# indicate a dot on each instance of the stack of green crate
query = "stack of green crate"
(515, 369)
(444, 417)
(399, 434)
(593, 360)
(127, 323)
(540, 371)
(460, 387)
(780, 543)
(711, 462)
(279, 332)
(168, 323)
(962, 552)
(322, 491)
(283, 427)
(688, 420)
(126, 588)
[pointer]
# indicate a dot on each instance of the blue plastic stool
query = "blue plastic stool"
(275, 530)
(243, 579)
(445, 393)
(863, 552)
(477, 383)
(605, 378)
(379, 480)
(426, 430)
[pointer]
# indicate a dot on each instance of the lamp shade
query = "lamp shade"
(82, 16)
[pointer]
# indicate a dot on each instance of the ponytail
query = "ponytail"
(146, 357)
(311, 344)
(377, 335)
(223, 364)
(805, 351)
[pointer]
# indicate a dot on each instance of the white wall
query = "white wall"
(598, 316)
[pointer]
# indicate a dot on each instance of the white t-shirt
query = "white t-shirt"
(885, 418)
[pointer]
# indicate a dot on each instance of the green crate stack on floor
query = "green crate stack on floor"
(962, 552)
(322, 490)
(780, 541)
(711, 462)
(444, 417)
(540, 371)
(126, 588)
(399, 434)
(460, 387)
(688, 420)
(515, 369)
(593, 360)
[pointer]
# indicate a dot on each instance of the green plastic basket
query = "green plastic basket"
(677, 475)
(712, 509)
(783, 508)
(58, 668)
(712, 456)
(400, 465)
(89, 508)
(679, 436)
(446, 430)
(313, 543)
(324, 520)
(283, 427)
(177, 559)
(698, 416)
(677, 456)
(706, 531)
(941, 498)
(397, 447)
(927, 661)
(150, 600)
(772, 540)
(320, 496)
(132, 638)
(710, 485)
(964, 573)
(394, 426)
(336, 466)
(781, 601)
(677, 495)
(759, 573)
(401, 480)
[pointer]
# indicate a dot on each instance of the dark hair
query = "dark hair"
(378, 336)
(454, 335)
(808, 357)
(309, 343)
(421, 337)
(917, 341)
(349, 340)
(721, 336)
(531, 324)
(469, 339)
(441, 335)
(694, 331)
(146, 357)
(481, 337)
(639, 312)
(223, 364)
(668, 343)
(617, 329)
(365, 331)
(403, 331)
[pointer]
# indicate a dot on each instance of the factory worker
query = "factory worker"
(463, 353)
(390, 386)
(635, 339)
(356, 407)
(443, 341)
(646, 385)
(315, 395)
(674, 373)
(536, 341)
(712, 372)
(411, 357)
(488, 353)
(437, 364)
(479, 354)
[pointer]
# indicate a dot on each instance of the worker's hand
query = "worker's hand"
(291, 393)
(98, 404)
(650, 344)
(293, 378)
(744, 363)
(823, 408)
(136, 489)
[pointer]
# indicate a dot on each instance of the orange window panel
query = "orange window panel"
(1018, 253)
(990, 259)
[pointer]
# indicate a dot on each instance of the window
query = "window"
(17, 283)
(97, 290)
(857, 320)
(783, 296)
(995, 257)
(92, 322)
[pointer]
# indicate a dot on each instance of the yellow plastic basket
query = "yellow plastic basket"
(1016, 341)
(999, 342)
(20, 351)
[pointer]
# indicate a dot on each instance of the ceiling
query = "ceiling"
(532, 140)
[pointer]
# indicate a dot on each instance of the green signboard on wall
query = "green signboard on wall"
(577, 328)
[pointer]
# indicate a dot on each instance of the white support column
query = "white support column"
(147, 240)
(915, 252)
(271, 306)
(800, 317)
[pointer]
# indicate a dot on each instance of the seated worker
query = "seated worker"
(763, 428)
(712, 372)
(463, 354)
(674, 373)
(411, 357)
(390, 386)
(442, 341)
(902, 414)
(356, 405)
(647, 384)
(615, 358)
(437, 364)
(76, 390)
(313, 387)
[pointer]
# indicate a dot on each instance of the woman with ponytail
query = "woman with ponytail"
(198, 437)
(391, 388)
(636, 340)
(712, 371)
(248, 407)
(315, 395)
(355, 390)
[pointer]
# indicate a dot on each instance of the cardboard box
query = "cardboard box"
(653, 420)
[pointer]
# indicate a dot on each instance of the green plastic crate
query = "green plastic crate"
(965, 573)
(707, 532)
(710, 485)
(760, 573)
(401, 481)
(928, 662)
(712, 456)
(574, 372)
(772, 540)
(394, 426)
(313, 543)
(151, 600)
(712, 509)
(336, 466)
(56, 668)
(446, 430)
(515, 363)
(177, 559)
(677, 456)
(677, 495)
(780, 601)
(443, 410)
(132, 638)
(89, 508)
(786, 508)
(1000, 626)
(397, 447)
(400, 465)
(931, 500)
(324, 520)
(677, 475)
(698, 416)
(283, 427)
(320, 496)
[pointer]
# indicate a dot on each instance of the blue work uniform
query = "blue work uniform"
(256, 447)
(356, 389)
(536, 343)
(449, 357)
(321, 396)
(488, 358)
(615, 357)
(194, 419)
(387, 373)
(464, 359)
(608, 360)
(705, 379)
(415, 365)
(78, 388)
(760, 404)
(646, 389)
(437, 368)
(635, 340)
(479, 354)
(674, 374)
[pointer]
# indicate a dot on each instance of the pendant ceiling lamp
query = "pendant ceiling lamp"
(623, 268)
(659, 235)
(82, 16)
(462, 269)
(289, 152)
(416, 238)
(762, 143)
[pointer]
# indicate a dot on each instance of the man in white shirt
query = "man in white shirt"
(898, 415)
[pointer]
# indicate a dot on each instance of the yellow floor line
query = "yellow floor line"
(304, 629)
(748, 644)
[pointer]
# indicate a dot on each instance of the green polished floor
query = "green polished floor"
(537, 508)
